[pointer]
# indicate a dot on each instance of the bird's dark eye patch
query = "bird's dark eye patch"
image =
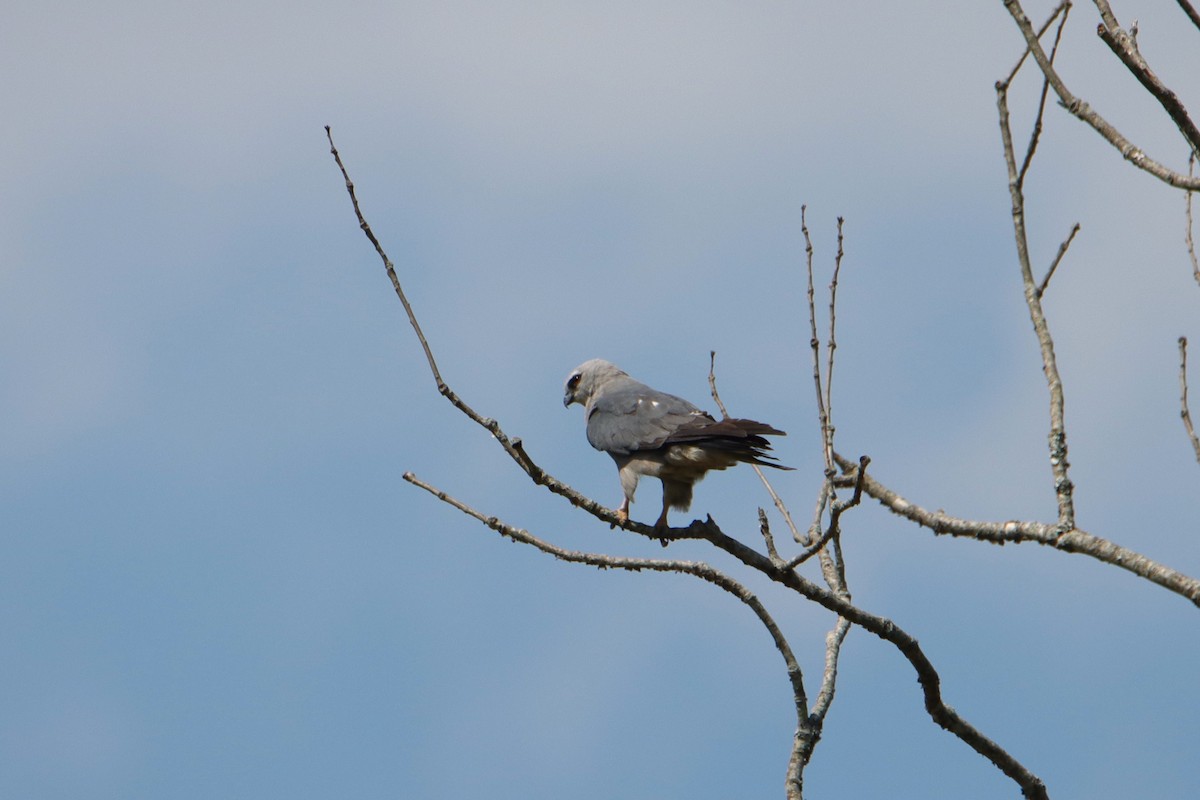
(573, 381)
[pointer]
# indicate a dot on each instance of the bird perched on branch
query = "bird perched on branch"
(648, 432)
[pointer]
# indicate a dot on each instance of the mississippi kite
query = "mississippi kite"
(648, 432)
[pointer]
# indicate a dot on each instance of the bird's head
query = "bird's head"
(585, 379)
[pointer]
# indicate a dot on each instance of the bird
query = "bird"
(648, 432)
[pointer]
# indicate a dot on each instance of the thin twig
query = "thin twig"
(831, 346)
(387, 263)
(1183, 397)
(1187, 236)
(780, 506)
(443, 388)
(1062, 251)
(712, 383)
(764, 527)
(814, 344)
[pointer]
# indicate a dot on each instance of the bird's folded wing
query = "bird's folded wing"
(625, 420)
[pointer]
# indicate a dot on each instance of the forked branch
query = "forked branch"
(1081, 110)
(805, 740)
(696, 569)
(1124, 47)
(1060, 467)
(1019, 532)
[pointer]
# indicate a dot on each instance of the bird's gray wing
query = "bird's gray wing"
(633, 417)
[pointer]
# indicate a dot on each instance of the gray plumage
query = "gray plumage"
(648, 432)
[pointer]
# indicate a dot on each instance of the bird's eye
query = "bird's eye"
(573, 381)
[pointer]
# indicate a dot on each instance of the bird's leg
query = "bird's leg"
(623, 511)
(661, 524)
(673, 495)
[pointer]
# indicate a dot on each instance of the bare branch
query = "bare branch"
(1124, 48)
(1063, 488)
(833, 645)
(1062, 251)
(391, 269)
(832, 566)
(831, 345)
(712, 383)
(830, 556)
(443, 388)
(1187, 234)
(827, 545)
(1183, 397)
(1016, 532)
(764, 527)
(1191, 12)
(814, 344)
(1080, 109)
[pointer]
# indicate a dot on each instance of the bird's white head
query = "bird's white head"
(583, 381)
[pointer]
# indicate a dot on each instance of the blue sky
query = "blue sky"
(214, 582)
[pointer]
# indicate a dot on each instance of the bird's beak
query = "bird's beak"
(568, 398)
